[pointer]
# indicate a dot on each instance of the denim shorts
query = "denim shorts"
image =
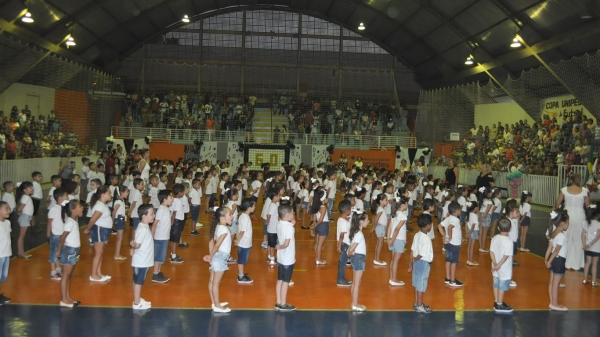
(4, 263)
(367, 205)
(136, 222)
(272, 240)
(322, 229)
(475, 235)
(54, 240)
(503, 285)
(160, 250)
(139, 275)
(233, 229)
(398, 246)
(558, 266)
(463, 216)
(284, 272)
(380, 230)
(495, 217)
(526, 222)
(243, 254)
(304, 204)
(420, 275)
(219, 262)
(25, 220)
(119, 223)
(175, 234)
(195, 209)
(100, 234)
(265, 227)
(358, 262)
(452, 253)
(487, 221)
(68, 255)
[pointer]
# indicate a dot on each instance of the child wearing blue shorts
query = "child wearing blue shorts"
(501, 253)
(142, 255)
(244, 238)
(118, 213)
(420, 260)
(162, 233)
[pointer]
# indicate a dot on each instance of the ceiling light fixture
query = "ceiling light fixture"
(70, 42)
(361, 26)
(515, 43)
(469, 61)
(185, 19)
(27, 18)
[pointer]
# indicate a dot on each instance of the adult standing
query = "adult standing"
(359, 163)
(452, 174)
(109, 167)
(144, 166)
(343, 163)
(575, 198)
(485, 178)
(65, 170)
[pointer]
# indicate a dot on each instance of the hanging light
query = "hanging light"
(185, 19)
(469, 61)
(27, 18)
(361, 26)
(515, 43)
(70, 42)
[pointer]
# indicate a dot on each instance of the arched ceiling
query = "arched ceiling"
(432, 37)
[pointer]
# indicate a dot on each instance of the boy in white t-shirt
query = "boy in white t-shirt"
(195, 200)
(452, 241)
(272, 219)
(343, 241)
(142, 255)
(286, 256)
(161, 229)
(36, 197)
(153, 192)
(501, 252)
(56, 183)
(135, 200)
(244, 237)
(162, 183)
(420, 261)
(54, 231)
(331, 186)
(177, 218)
(5, 245)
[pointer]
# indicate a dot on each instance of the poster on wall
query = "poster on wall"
(560, 106)
(319, 154)
(296, 156)
(208, 151)
(235, 157)
(377, 159)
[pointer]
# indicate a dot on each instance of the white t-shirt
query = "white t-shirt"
(245, 225)
(161, 186)
(177, 208)
(51, 195)
(272, 225)
(359, 238)
(244, 184)
(5, 246)
(560, 239)
(513, 234)
(304, 195)
(105, 220)
(383, 219)
(368, 188)
(73, 239)
(502, 246)
(229, 205)
(84, 171)
(343, 226)
(9, 198)
(26, 200)
(422, 246)
(412, 197)
(285, 231)
(178, 180)
(135, 196)
(185, 202)
(256, 186)
(332, 186)
(290, 182)
(497, 205)
(473, 220)
(325, 217)
(163, 227)
(222, 187)
(88, 199)
(375, 194)
(400, 216)
(525, 208)
(445, 210)
(209, 187)
(225, 246)
(388, 207)
(484, 205)
(58, 225)
(359, 205)
(121, 209)
(37, 190)
(591, 233)
(214, 181)
(265, 209)
(153, 194)
(195, 196)
(472, 197)
(456, 232)
(143, 256)
(463, 202)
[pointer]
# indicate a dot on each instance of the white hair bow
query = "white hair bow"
(525, 192)
(397, 198)
(270, 179)
(64, 203)
(469, 204)
(553, 215)
(460, 186)
(351, 193)
(358, 189)
(482, 189)
(226, 190)
(445, 194)
(215, 208)
(18, 184)
(593, 206)
(437, 189)
(425, 183)
(285, 198)
(313, 180)
(357, 211)
(349, 179)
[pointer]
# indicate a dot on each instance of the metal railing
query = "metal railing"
(264, 137)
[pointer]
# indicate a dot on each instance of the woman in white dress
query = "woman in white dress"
(144, 166)
(575, 197)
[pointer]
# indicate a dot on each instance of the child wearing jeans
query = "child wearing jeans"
(161, 232)
(220, 248)
(195, 200)
(5, 247)
(142, 255)
(54, 231)
(501, 252)
(452, 240)
(244, 237)
(68, 248)
(25, 212)
(420, 261)
(358, 255)
(286, 256)
(343, 241)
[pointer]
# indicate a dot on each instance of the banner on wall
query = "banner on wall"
(377, 159)
(562, 106)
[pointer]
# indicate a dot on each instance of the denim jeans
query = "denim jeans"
(330, 207)
(342, 264)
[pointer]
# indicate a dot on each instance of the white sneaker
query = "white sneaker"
(469, 263)
(264, 244)
(396, 284)
(291, 283)
(141, 306)
(144, 301)
(513, 283)
(562, 285)
(215, 309)
(198, 224)
(483, 250)
(382, 263)
(443, 249)
(524, 249)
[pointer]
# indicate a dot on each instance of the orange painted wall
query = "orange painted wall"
(73, 106)
(445, 149)
(384, 159)
(167, 151)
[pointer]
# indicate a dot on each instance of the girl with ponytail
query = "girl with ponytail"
(68, 248)
(25, 212)
(99, 228)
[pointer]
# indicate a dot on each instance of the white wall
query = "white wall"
(26, 94)
(507, 113)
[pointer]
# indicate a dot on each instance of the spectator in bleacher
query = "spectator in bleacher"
(452, 174)
(2, 144)
(65, 170)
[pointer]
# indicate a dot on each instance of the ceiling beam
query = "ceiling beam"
(586, 30)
